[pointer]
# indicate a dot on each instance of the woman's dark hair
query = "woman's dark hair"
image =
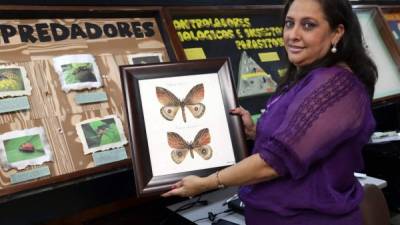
(350, 48)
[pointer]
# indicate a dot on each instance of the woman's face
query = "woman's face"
(307, 34)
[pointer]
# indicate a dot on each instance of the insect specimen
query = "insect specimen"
(100, 132)
(84, 73)
(181, 147)
(9, 81)
(171, 104)
(27, 147)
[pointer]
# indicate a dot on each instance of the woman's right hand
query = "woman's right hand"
(249, 126)
(188, 187)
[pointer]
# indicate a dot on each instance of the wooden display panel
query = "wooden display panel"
(383, 50)
(229, 31)
(31, 38)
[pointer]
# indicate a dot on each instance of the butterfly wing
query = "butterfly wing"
(193, 101)
(200, 144)
(180, 146)
(169, 101)
(204, 151)
(197, 110)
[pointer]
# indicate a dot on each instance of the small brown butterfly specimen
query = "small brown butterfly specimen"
(171, 103)
(182, 147)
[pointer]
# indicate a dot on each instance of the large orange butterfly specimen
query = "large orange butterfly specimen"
(171, 103)
(182, 147)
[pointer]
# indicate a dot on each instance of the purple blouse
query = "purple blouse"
(312, 135)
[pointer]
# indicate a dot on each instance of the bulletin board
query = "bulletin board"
(61, 102)
(251, 36)
(381, 46)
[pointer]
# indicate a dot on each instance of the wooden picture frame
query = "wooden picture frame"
(207, 94)
(383, 50)
(254, 25)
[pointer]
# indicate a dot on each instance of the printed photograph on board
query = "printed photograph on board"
(22, 148)
(253, 79)
(14, 82)
(100, 134)
(145, 58)
(77, 72)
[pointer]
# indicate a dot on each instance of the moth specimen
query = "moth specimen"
(181, 147)
(171, 104)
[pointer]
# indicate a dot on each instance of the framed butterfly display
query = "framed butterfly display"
(179, 121)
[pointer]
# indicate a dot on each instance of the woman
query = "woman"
(308, 141)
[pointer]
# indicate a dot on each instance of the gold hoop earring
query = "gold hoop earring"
(334, 49)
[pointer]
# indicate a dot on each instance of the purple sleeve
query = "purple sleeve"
(326, 110)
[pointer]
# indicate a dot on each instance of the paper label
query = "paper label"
(268, 56)
(109, 156)
(30, 174)
(85, 98)
(194, 53)
(14, 104)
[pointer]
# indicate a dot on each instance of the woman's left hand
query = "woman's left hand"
(188, 187)
(249, 126)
